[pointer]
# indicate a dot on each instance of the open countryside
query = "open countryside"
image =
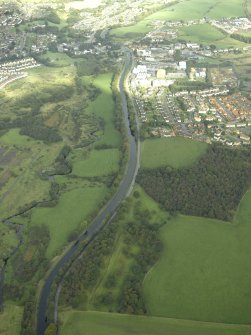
(125, 167)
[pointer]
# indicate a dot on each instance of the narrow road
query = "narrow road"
(123, 190)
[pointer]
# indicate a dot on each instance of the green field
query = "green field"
(13, 137)
(176, 152)
(104, 108)
(201, 33)
(70, 214)
(214, 9)
(207, 34)
(200, 8)
(10, 320)
(96, 323)
(204, 272)
(229, 42)
(99, 163)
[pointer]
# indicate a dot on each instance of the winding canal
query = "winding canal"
(123, 190)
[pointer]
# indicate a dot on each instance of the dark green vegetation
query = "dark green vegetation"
(213, 187)
(94, 323)
(110, 275)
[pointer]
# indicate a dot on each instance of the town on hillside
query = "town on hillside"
(178, 88)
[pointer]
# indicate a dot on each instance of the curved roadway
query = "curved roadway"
(110, 209)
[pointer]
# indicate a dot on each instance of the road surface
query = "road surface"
(123, 190)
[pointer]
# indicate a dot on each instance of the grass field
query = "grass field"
(205, 271)
(176, 152)
(207, 34)
(201, 33)
(10, 320)
(229, 42)
(14, 138)
(104, 108)
(200, 8)
(96, 323)
(214, 9)
(99, 163)
(70, 214)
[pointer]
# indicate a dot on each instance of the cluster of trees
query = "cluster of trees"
(32, 255)
(144, 235)
(85, 272)
(138, 234)
(62, 164)
(32, 125)
(38, 131)
(181, 85)
(213, 187)
(27, 265)
(242, 38)
(132, 117)
(52, 16)
(27, 325)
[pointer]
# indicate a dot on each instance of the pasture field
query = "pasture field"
(204, 272)
(103, 107)
(182, 11)
(176, 152)
(93, 323)
(232, 8)
(10, 320)
(201, 33)
(98, 163)
(12, 137)
(70, 214)
(201, 8)
(229, 42)
(207, 34)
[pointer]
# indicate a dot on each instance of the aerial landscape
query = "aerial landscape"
(125, 167)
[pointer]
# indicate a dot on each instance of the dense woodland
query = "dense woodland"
(86, 273)
(213, 187)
